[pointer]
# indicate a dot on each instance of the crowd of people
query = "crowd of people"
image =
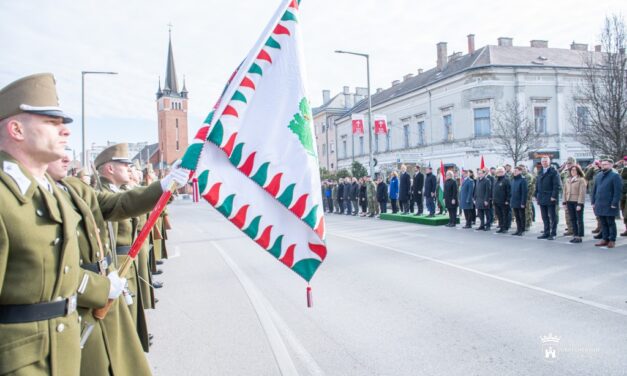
(64, 310)
(497, 197)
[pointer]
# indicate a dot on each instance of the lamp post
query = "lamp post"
(84, 161)
(370, 166)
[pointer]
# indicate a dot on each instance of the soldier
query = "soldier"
(590, 174)
(113, 347)
(371, 194)
(40, 276)
(564, 175)
(531, 189)
(334, 196)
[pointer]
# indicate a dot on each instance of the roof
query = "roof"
(148, 149)
(170, 71)
(487, 56)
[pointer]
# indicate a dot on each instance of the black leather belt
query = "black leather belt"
(21, 313)
(98, 267)
(123, 250)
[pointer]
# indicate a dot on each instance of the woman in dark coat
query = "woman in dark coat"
(466, 198)
(382, 195)
(451, 201)
(363, 198)
(483, 195)
(518, 199)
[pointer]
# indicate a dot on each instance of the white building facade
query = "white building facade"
(447, 113)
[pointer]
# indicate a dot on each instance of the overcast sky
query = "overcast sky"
(211, 37)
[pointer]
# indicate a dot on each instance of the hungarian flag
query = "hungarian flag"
(358, 123)
(380, 124)
(482, 164)
(441, 187)
(255, 156)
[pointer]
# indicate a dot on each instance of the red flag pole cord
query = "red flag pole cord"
(309, 297)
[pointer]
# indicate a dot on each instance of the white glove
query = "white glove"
(178, 174)
(117, 285)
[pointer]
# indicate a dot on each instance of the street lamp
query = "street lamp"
(83, 73)
(370, 165)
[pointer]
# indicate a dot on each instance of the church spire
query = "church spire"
(170, 83)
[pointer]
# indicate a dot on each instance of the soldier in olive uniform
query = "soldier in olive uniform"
(40, 276)
(591, 172)
(531, 189)
(113, 347)
(565, 175)
(371, 194)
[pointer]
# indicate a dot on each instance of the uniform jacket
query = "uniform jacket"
(548, 187)
(113, 342)
(608, 188)
(450, 193)
(483, 193)
(418, 185)
(502, 190)
(394, 188)
(519, 194)
(466, 195)
(382, 192)
(405, 184)
(575, 190)
(39, 262)
(430, 184)
(371, 191)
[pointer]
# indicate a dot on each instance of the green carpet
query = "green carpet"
(438, 220)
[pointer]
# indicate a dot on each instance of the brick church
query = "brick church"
(172, 120)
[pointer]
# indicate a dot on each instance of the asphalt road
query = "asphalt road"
(390, 299)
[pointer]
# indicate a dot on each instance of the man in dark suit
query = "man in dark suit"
(403, 192)
(430, 187)
(547, 194)
(416, 190)
(340, 195)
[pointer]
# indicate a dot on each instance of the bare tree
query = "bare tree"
(515, 132)
(599, 113)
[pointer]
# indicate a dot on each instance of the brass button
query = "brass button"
(40, 212)
(97, 254)
(66, 269)
(78, 233)
(60, 328)
(56, 241)
(80, 262)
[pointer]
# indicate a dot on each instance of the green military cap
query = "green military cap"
(114, 153)
(35, 94)
(81, 173)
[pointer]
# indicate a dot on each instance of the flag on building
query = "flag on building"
(255, 156)
(358, 123)
(380, 124)
(482, 164)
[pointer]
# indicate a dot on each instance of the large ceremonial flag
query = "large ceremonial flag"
(255, 156)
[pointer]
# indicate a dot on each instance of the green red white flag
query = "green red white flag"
(255, 156)
(441, 187)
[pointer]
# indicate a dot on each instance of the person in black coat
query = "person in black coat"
(382, 195)
(430, 187)
(483, 195)
(451, 192)
(501, 196)
(416, 190)
(340, 195)
(354, 196)
(548, 187)
(518, 199)
(346, 199)
(403, 190)
(363, 197)
(605, 201)
(490, 176)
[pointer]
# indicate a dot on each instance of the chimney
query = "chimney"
(471, 43)
(379, 90)
(420, 71)
(597, 48)
(441, 47)
(454, 56)
(396, 82)
(578, 46)
(362, 91)
(540, 43)
(408, 76)
(506, 42)
(326, 96)
(348, 97)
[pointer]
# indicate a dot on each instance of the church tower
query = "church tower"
(172, 114)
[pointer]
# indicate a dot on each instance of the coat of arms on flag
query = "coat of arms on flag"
(255, 156)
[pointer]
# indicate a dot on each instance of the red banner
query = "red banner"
(380, 124)
(358, 124)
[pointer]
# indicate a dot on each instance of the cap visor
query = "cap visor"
(53, 113)
(122, 160)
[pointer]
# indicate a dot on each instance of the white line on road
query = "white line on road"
(488, 275)
(272, 324)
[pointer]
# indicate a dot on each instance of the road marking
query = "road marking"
(488, 275)
(272, 324)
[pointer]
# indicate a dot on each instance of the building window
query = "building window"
(539, 116)
(177, 134)
(376, 143)
(332, 148)
(482, 122)
(406, 136)
(361, 145)
(344, 148)
(388, 142)
(583, 117)
(448, 127)
(421, 133)
(324, 149)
